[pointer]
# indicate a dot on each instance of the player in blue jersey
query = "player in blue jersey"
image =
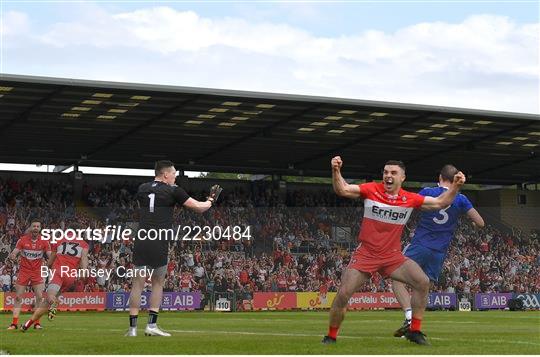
(432, 237)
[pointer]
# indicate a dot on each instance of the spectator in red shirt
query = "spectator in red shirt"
(484, 247)
(171, 266)
(287, 258)
(282, 281)
(244, 276)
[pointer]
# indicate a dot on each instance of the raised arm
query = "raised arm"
(475, 217)
(201, 207)
(446, 199)
(341, 187)
(84, 259)
(197, 206)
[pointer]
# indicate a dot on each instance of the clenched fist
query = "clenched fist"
(336, 163)
(459, 179)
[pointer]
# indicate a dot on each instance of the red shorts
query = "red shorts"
(26, 278)
(367, 262)
(65, 283)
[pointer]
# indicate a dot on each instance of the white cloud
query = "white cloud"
(486, 61)
(14, 23)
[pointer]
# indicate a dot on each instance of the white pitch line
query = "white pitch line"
(341, 336)
(250, 333)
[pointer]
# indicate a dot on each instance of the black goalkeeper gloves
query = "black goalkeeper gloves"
(215, 191)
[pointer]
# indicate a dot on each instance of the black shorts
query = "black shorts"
(150, 253)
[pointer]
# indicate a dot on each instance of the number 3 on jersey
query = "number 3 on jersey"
(444, 215)
(152, 197)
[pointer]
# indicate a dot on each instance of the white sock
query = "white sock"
(152, 325)
(408, 314)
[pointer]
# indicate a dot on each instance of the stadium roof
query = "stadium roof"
(65, 121)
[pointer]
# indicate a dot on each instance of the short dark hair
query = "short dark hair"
(162, 164)
(35, 220)
(397, 163)
(448, 172)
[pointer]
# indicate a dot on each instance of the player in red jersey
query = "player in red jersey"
(387, 208)
(186, 282)
(69, 257)
(32, 249)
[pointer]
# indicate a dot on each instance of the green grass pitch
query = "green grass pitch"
(273, 332)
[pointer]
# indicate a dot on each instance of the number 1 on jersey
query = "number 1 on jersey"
(152, 196)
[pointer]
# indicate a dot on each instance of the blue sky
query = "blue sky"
(331, 19)
(465, 54)
(324, 19)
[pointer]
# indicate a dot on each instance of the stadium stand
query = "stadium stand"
(294, 248)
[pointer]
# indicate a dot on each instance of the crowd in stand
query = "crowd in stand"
(292, 246)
